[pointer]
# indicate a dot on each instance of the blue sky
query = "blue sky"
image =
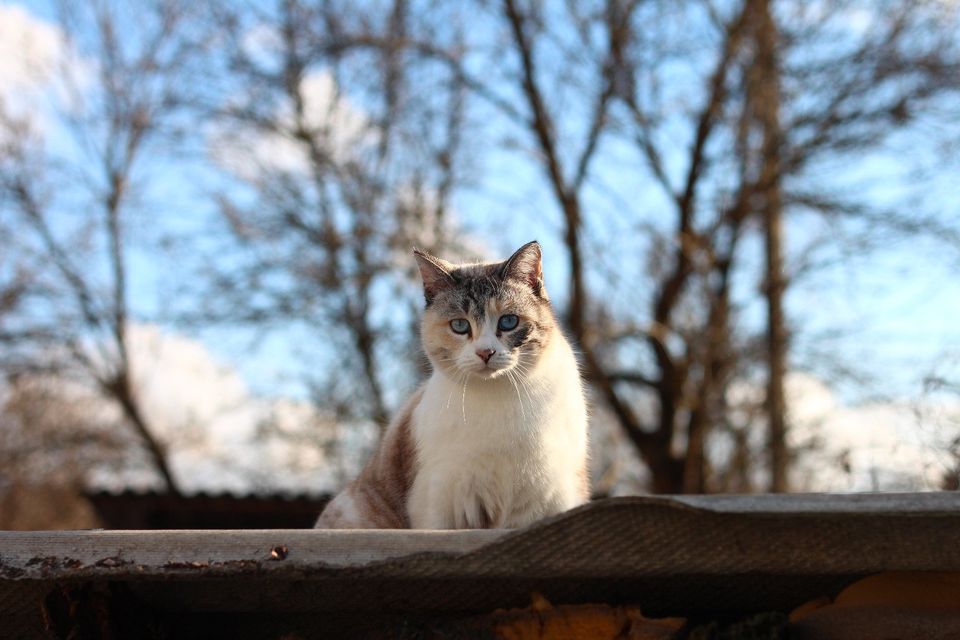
(898, 304)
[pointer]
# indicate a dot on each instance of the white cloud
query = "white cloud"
(40, 73)
(179, 381)
(875, 446)
(215, 429)
(854, 19)
(895, 445)
(30, 51)
(342, 128)
(206, 406)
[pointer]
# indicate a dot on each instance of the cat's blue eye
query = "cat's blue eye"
(460, 325)
(508, 322)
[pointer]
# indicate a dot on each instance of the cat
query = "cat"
(497, 436)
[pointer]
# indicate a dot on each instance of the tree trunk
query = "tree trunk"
(712, 386)
(776, 350)
(767, 109)
(667, 472)
(121, 389)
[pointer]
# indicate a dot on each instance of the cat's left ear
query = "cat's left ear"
(435, 273)
(526, 265)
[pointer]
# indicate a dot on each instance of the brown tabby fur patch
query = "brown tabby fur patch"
(379, 493)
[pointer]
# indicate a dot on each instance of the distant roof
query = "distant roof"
(228, 495)
(134, 509)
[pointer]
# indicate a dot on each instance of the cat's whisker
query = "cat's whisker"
(521, 378)
(523, 365)
(449, 398)
(460, 376)
(513, 381)
(522, 371)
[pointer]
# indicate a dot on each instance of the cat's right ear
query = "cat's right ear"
(435, 273)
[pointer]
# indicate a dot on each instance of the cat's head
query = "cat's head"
(485, 320)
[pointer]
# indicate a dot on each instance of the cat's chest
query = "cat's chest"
(453, 422)
(480, 438)
(477, 465)
(497, 458)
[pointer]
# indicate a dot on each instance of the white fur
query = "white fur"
(509, 446)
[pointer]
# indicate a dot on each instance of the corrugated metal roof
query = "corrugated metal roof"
(202, 510)
(234, 495)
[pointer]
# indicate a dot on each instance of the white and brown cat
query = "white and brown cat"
(497, 436)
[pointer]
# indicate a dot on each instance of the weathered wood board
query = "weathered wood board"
(679, 556)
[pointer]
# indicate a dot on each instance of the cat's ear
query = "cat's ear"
(526, 265)
(435, 273)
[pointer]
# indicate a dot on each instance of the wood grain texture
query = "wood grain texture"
(140, 554)
(683, 556)
(73, 554)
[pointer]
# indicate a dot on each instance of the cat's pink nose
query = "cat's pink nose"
(486, 354)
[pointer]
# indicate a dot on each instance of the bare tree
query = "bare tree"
(126, 87)
(654, 444)
(55, 435)
(342, 134)
(355, 153)
(763, 100)
(768, 112)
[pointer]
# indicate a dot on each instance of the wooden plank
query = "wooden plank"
(137, 555)
(690, 554)
(45, 554)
